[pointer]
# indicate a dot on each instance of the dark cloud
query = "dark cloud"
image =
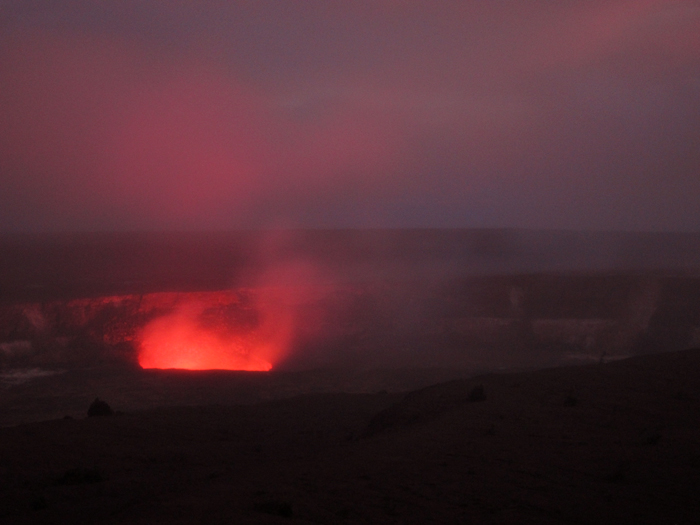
(160, 115)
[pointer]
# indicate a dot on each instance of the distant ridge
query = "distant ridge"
(33, 266)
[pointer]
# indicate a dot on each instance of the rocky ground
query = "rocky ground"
(605, 443)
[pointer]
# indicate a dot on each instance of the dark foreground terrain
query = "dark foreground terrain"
(605, 443)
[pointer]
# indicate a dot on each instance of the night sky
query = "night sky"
(183, 115)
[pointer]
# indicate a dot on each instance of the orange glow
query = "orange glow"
(179, 341)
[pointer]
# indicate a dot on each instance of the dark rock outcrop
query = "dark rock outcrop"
(99, 408)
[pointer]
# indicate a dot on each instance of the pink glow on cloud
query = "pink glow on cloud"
(189, 146)
(172, 144)
(583, 34)
(460, 113)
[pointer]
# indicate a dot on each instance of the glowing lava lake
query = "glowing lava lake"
(179, 341)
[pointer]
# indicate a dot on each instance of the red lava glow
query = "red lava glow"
(199, 334)
(178, 341)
